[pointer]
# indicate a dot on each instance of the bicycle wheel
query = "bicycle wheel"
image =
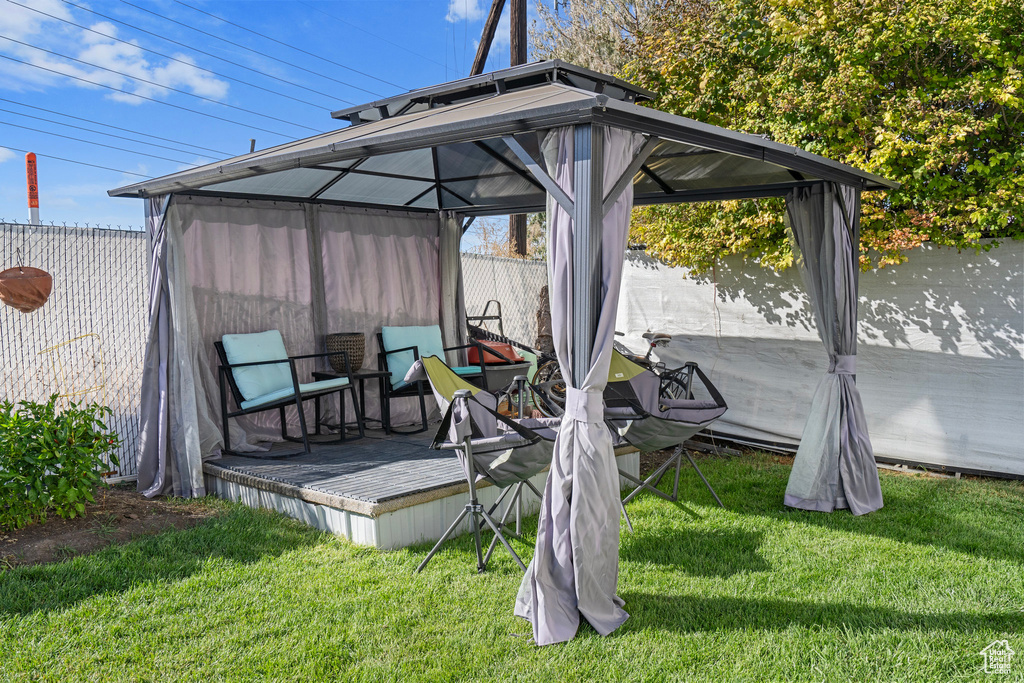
(548, 389)
(676, 384)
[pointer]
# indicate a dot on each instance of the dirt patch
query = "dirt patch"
(120, 514)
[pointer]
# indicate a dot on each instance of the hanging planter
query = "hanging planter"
(25, 288)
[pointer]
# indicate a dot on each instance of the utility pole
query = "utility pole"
(490, 26)
(517, 42)
(517, 12)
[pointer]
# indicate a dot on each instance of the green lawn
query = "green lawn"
(755, 592)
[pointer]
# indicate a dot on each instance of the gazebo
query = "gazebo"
(361, 227)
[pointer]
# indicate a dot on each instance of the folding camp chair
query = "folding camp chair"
(261, 376)
(652, 412)
(490, 446)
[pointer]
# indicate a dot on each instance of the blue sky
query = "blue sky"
(198, 103)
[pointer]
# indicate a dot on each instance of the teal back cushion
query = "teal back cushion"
(427, 338)
(258, 380)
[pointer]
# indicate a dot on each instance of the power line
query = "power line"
(203, 52)
(159, 85)
(97, 144)
(370, 33)
(247, 48)
(80, 163)
(297, 49)
(165, 56)
(99, 132)
(107, 125)
(143, 97)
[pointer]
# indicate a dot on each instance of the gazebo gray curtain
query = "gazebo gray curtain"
(574, 571)
(835, 465)
(453, 301)
(169, 443)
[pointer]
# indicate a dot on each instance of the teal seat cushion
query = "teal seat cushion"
(311, 387)
(426, 338)
(258, 380)
(469, 370)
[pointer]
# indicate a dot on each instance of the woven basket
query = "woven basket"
(352, 343)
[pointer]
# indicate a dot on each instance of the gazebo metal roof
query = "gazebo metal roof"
(448, 147)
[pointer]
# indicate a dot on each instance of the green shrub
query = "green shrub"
(50, 459)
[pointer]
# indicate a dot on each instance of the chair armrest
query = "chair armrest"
(414, 349)
(258, 362)
(461, 346)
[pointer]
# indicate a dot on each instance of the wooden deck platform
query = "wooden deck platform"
(381, 491)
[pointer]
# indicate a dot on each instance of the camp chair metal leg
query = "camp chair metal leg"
(676, 457)
(480, 566)
(513, 504)
(651, 483)
(501, 524)
(504, 492)
(504, 542)
(519, 511)
(704, 479)
(629, 524)
(449, 532)
(501, 497)
(533, 488)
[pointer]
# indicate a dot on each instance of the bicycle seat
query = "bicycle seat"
(660, 336)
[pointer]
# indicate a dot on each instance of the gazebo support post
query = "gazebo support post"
(588, 185)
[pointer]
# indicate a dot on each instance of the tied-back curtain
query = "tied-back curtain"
(834, 466)
(574, 571)
(175, 425)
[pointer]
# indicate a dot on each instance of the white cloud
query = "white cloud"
(466, 10)
(6, 154)
(130, 62)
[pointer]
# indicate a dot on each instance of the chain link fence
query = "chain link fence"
(86, 342)
(515, 284)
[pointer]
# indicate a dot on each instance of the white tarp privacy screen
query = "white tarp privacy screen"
(941, 347)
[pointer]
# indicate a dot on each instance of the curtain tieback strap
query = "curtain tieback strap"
(842, 365)
(584, 406)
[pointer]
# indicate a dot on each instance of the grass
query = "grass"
(755, 592)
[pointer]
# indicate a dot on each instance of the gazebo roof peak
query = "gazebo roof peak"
(516, 78)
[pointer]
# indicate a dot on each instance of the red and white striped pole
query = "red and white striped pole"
(33, 188)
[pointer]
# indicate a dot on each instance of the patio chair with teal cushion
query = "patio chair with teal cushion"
(261, 376)
(400, 347)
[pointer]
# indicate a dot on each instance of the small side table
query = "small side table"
(360, 377)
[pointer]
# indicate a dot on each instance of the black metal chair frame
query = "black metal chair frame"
(225, 376)
(417, 388)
